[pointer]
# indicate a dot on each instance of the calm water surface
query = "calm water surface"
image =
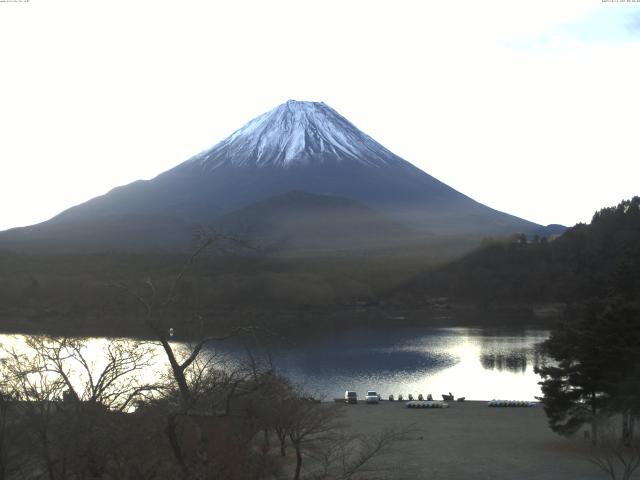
(478, 364)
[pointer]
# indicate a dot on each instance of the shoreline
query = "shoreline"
(294, 324)
(536, 404)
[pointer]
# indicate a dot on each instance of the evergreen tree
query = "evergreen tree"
(596, 362)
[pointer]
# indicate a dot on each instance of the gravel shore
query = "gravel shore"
(472, 441)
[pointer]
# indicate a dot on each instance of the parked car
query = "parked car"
(350, 397)
(372, 397)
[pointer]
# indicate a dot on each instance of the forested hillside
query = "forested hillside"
(82, 293)
(598, 260)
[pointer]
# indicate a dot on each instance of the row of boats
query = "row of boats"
(492, 403)
(445, 398)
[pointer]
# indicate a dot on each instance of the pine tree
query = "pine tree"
(595, 361)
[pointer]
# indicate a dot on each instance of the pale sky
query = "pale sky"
(531, 107)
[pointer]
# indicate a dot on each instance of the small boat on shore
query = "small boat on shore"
(510, 403)
(426, 404)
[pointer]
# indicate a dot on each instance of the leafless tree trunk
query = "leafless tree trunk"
(594, 421)
(155, 306)
(310, 423)
(4, 446)
(628, 427)
(281, 433)
(298, 448)
(618, 458)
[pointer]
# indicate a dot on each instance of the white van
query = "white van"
(372, 397)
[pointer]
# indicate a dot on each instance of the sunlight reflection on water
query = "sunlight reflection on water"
(475, 363)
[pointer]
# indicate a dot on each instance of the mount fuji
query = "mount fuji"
(298, 173)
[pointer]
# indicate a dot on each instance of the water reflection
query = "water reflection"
(515, 362)
(475, 363)
(509, 352)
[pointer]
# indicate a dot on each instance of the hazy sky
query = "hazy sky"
(531, 107)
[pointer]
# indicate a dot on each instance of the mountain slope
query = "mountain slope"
(302, 222)
(298, 146)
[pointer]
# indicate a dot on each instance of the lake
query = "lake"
(479, 364)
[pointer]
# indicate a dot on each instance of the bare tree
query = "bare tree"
(315, 431)
(280, 400)
(69, 398)
(38, 394)
(348, 455)
(191, 372)
(156, 306)
(310, 423)
(10, 431)
(112, 378)
(618, 457)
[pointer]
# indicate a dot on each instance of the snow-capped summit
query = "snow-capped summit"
(296, 133)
